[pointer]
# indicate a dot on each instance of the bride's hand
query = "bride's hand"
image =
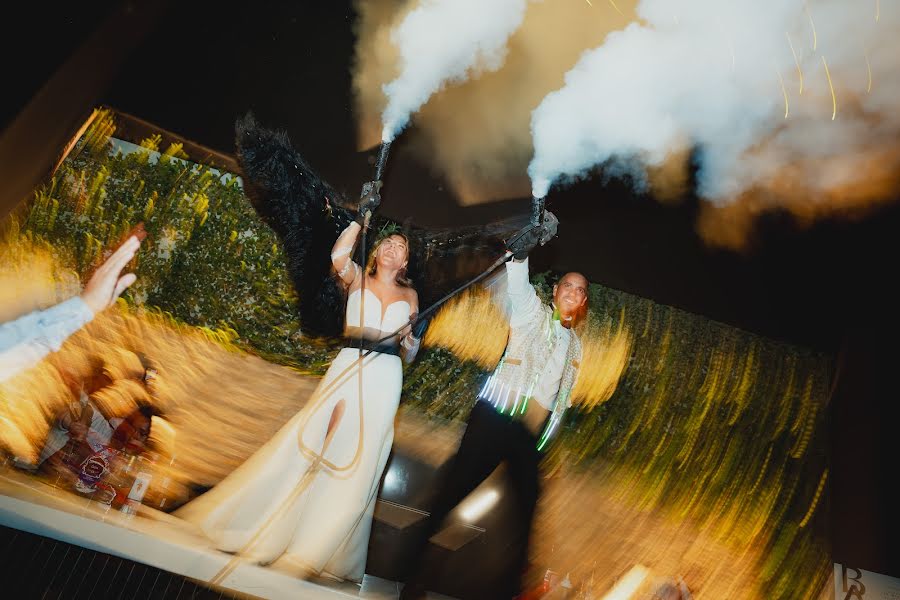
(407, 329)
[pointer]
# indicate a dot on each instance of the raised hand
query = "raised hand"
(524, 241)
(368, 201)
(107, 283)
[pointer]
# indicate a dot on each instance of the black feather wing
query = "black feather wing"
(305, 213)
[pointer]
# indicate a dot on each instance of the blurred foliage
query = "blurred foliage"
(208, 259)
(709, 423)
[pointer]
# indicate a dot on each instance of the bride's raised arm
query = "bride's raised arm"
(342, 254)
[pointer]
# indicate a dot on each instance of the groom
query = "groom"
(518, 409)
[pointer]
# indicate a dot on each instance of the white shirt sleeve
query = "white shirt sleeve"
(525, 309)
(524, 303)
(25, 341)
(547, 387)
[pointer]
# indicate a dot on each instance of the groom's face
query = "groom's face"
(570, 295)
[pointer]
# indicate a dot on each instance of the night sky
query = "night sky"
(290, 62)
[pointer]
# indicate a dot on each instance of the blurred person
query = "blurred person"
(129, 471)
(85, 463)
(98, 387)
(517, 412)
(132, 432)
(28, 339)
(80, 420)
(305, 500)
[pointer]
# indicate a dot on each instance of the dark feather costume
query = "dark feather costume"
(308, 215)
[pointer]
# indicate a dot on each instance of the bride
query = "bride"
(304, 501)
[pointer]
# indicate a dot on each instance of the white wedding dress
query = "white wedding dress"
(307, 511)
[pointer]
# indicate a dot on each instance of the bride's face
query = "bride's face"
(392, 253)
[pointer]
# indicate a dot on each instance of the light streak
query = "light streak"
(629, 584)
(613, 2)
(869, 73)
(831, 87)
(877, 10)
(815, 501)
(784, 92)
(472, 311)
(796, 61)
(479, 505)
(391, 480)
(589, 3)
(813, 25)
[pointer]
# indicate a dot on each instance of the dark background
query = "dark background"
(194, 67)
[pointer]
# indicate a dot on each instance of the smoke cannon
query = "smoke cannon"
(544, 219)
(537, 210)
(382, 159)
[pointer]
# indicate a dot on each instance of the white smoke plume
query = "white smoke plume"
(787, 101)
(443, 41)
(475, 134)
(656, 86)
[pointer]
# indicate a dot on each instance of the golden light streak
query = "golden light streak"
(604, 357)
(805, 423)
(626, 587)
(813, 25)
(453, 325)
(831, 87)
(868, 72)
(762, 472)
(796, 61)
(589, 2)
(877, 10)
(784, 92)
(616, 7)
(15, 440)
(815, 502)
